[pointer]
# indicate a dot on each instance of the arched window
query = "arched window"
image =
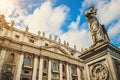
(74, 69)
(27, 61)
(55, 65)
(63, 68)
(11, 58)
(44, 64)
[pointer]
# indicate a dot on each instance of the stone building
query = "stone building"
(27, 56)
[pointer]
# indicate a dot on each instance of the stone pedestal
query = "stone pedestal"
(99, 62)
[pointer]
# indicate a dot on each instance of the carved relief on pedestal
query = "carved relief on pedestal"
(99, 72)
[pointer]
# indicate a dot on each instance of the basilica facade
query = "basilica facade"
(28, 56)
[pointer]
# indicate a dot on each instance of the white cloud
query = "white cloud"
(75, 36)
(12, 10)
(6, 7)
(80, 38)
(74, 25)
(47, 18)
(113, 31)
(109, 12)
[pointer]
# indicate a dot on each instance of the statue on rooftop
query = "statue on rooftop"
(12, 23)
(97, 30)
(27, 29)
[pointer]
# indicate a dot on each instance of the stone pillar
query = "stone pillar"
(35, 68)
(2, 56)
(112, 67)
(61, 75)
(40, 69)
(49, 70)
(78, 73)
(68, 71)
(19, 70)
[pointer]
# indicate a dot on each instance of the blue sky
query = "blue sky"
(64, 18)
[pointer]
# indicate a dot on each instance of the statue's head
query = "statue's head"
(2, 16)
(91, 8)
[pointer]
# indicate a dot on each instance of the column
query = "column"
(40, 69)
(68, 72)
(61, 75)
(49, 70)
(78, 73)
(112, 67)
(35, 68)
(19, 70)
(2, 56)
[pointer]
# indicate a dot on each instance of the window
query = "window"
(45, 64)
(11, 58)
(7, 76)
(25, 79)
(44, 74)
(17, 37)
(74, 69)
(27, 61)
(26, 71)
(46, 44)
(63, 68)
(64, 78)
(55, 76)
(55, 65)
(31, 41)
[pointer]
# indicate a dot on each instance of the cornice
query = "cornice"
(98, 49)
(35, 36)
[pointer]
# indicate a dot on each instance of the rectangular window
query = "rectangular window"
(55, 65)
(17, 37)
(55, 76)
(31, 41)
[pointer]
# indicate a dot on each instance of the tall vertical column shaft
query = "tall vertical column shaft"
(35, 68)
(19, 70)
(49, 70)
(61, 75)
(40, 69)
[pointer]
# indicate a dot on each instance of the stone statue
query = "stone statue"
(3, 22)
(39, 33)
(50, 36)
(56, 37)
(12, 23)
(59, 40)
(27, 29)
(97, 30)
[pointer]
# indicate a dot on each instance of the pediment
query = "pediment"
(57, 49)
